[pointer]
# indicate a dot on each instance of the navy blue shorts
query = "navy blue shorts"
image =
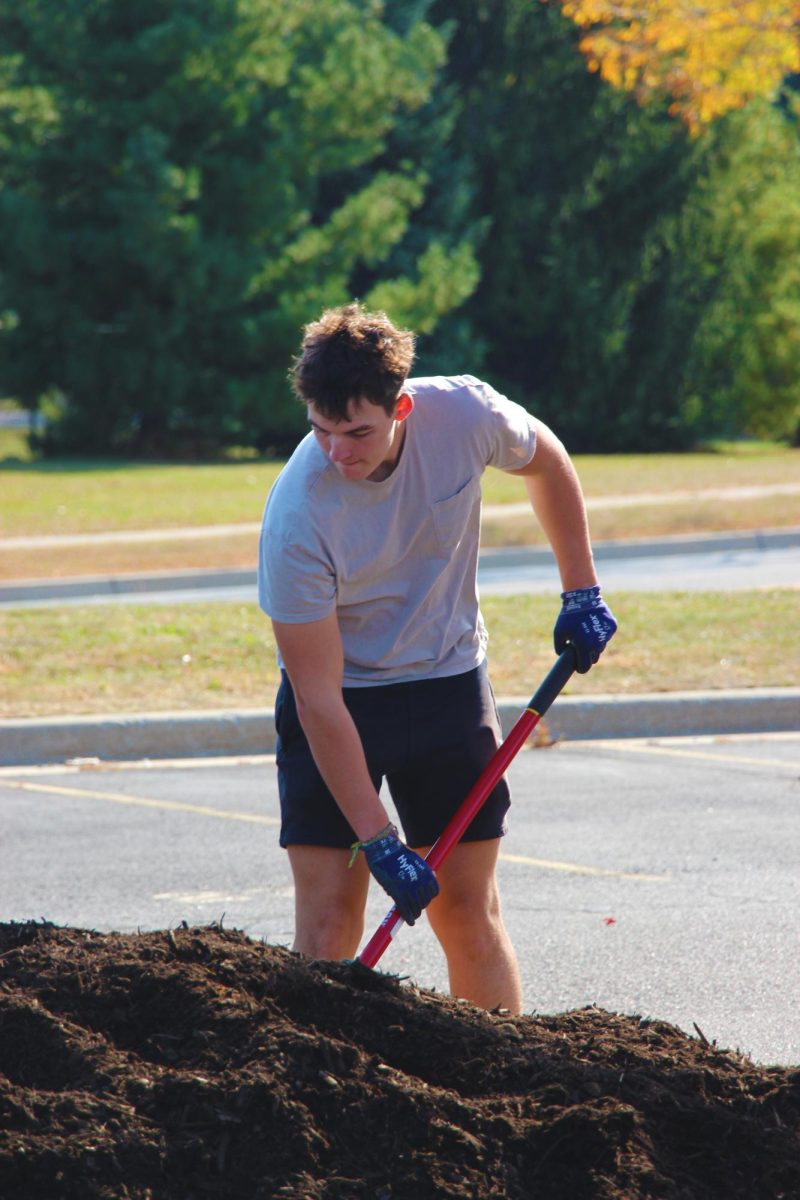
(429, 740)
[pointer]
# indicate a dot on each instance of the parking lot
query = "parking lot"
(655, 876)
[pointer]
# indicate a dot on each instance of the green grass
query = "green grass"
(733, 464)
(13, 447)
(131, 658)
(676, 641)
(89, 496)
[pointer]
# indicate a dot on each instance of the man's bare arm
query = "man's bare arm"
(555, 494)
(312, 656)
(585, 623)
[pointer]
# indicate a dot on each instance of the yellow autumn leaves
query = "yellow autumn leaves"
(710, 56)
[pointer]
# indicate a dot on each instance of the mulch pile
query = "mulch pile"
(197, 1063)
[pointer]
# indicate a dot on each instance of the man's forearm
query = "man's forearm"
(339, 755)
(555, 494)
(558, 503)
(585, 623)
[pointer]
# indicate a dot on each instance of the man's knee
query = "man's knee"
(331, 935)
(329, 902)
(461, 915)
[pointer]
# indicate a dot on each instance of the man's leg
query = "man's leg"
(329, 901)
(466, 919)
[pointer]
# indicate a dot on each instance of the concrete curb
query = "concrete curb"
(23, 590)
(132, 736)
(690, 543)
(674, 714)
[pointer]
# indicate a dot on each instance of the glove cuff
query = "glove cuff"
(388, 834)
(581, 599)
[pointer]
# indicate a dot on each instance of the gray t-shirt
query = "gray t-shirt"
(396, 559)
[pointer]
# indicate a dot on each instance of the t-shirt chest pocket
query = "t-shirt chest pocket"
(451, 516)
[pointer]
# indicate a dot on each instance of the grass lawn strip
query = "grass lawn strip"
(241, 550)
(128, 658)
(82, 497)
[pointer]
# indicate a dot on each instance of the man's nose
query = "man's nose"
(337, 449)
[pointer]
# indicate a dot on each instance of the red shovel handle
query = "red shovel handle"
(478, 794)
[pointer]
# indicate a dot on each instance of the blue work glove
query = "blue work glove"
(401, 872)
(586, 623)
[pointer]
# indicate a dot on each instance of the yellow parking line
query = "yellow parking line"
(669, 751)
(97, 766)
(140, 801)
(577, 869)
(258, 819)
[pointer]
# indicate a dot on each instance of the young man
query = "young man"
(368, 565)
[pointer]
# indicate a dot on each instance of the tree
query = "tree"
(734, 249)
(625, 296)
(579, 185)
(176, 201)
(710, 56)
(737, 256)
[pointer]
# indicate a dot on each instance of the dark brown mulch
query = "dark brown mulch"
(197, 1063)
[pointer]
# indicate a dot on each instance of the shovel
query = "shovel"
(476, 797)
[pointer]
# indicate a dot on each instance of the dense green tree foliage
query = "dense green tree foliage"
(579, 182)
(178, 199)
(638, 287)
(736, 265)
(183, 185)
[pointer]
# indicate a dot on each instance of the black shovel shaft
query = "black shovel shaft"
(541, 700)
(559, 675)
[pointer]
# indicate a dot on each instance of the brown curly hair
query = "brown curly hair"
(351, 354)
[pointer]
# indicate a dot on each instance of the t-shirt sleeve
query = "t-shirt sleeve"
(296, 584)
(508, 428)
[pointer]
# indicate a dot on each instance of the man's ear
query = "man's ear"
(404, 406)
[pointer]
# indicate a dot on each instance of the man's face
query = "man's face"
(367, 443)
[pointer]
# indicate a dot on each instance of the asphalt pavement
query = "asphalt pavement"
(651, 877)
(651, 866)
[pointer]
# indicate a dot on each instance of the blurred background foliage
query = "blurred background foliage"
(184, 183)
